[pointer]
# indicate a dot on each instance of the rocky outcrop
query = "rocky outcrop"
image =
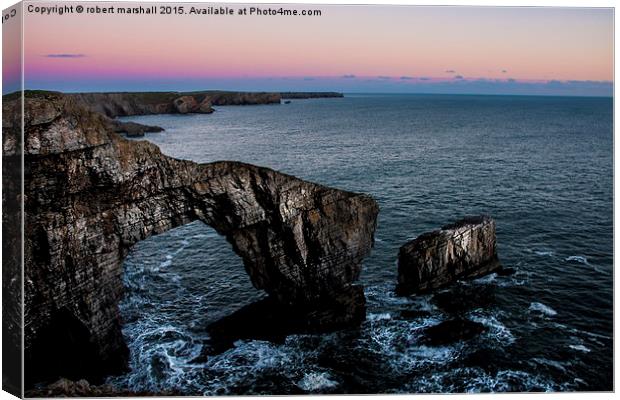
(146, 103)
(82, 388)
(90, 195)
(465, 249)
(132, 129)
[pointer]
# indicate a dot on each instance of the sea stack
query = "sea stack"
(464, 249)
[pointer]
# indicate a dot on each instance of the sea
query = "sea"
(542, 167)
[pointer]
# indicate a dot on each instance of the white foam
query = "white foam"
(498, 330)
(378, 317)
(314, 381)
(485, 279)
(579, 259)
(476, 380)
(544, 253)
(579, 347)
(543, 309)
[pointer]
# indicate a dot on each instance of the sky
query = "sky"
(388, 49)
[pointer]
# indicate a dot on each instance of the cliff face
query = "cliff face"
(145, 103)
(465, 249)
(90, 195)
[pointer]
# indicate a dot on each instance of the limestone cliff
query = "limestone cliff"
(465, 249)
(90, 195)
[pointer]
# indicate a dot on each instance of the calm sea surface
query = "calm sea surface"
(541, 166)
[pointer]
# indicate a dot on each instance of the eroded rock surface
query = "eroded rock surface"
(90, 195)
(465, 249)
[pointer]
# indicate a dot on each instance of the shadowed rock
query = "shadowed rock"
(90, 195)
(465, 249)
(270, 320)
(461, 298)
(451, 331)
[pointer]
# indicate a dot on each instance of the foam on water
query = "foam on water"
(578, 259)
(580, 347)
(496, 330)
(477, 380)
(486, 279)
(543, 309)
(315, 381)
(378, 317)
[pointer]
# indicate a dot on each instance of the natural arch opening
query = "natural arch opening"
(177, 284)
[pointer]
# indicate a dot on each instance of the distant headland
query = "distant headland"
(124, 104)
(144, 103)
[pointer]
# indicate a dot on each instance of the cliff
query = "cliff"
(90, 195)
(145, 103)
(465, 249)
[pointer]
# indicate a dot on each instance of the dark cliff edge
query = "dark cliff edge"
(90, 195)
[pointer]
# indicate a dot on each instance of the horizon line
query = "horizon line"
(323, 91)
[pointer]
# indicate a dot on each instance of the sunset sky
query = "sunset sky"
(347, 48)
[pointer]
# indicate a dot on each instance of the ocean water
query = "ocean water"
(541, 166)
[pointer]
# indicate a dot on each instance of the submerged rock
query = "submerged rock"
(90, 195)
(461, 298)
(270, 320)
(451, 331)
(465, 249)
(506, 271)
(414, 314)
